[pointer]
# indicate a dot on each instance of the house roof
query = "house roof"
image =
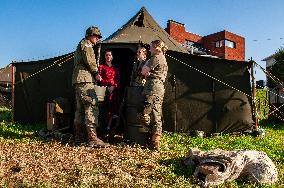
(142, 28)
(268, 58)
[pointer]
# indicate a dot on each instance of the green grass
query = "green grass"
(5, 114)
(119, 166)
(262, 103)
(12, 130)
(175, 147)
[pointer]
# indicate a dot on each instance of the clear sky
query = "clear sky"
(38, 29)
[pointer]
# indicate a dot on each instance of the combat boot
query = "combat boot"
(155, 142)
(93, 139)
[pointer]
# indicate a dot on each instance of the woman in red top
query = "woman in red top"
(110, 78)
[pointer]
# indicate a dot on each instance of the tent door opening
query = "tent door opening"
(123, 59)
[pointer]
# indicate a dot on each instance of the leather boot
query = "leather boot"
(155, 142)
(93, 139)
(78, 133)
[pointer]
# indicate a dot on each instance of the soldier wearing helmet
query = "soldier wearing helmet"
(85, 75)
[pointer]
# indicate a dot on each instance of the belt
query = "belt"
(155, 79)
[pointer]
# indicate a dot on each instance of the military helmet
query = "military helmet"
(92, 31)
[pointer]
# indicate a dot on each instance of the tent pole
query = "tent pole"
(13, 92)
(254, 95)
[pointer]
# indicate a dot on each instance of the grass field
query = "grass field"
(26, 161)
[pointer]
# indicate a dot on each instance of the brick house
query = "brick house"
(223, 44)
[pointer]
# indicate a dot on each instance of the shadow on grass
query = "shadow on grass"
(5, 115)
(178, 167)
(275, 125)
(10, 130)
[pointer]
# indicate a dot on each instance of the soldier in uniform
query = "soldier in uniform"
(155, 70)
(137, 79)
(85, 75)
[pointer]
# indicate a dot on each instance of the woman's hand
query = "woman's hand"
(110, 89)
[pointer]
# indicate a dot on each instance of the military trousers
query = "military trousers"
(87, 110)
(152, 111)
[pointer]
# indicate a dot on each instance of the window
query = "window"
(227, 43)
(219, 43)
(230, 44)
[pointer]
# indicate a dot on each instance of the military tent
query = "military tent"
(195, 99)
(38, 82)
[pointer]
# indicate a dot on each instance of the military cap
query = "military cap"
(93, 30)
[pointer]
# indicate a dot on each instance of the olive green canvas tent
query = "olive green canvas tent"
(142, 28)
(193, 100)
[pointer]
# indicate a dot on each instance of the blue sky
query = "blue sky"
(38, 29)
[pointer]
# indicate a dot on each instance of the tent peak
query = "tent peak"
(143, 28)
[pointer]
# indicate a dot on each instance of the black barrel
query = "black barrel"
(135, 132)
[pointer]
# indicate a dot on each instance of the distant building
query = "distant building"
(6, 75)
(6, 86)
(223, 44)
(269, 61)
(276, 94)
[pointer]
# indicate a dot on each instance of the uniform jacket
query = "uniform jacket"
(159, 67)
(158, 72)
(137, 79)
(85, 63)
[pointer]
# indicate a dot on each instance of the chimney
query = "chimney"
(174, 26)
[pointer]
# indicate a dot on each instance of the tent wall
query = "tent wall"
(200, 103)
(32, 94)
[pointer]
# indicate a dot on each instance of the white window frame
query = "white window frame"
(230, 44)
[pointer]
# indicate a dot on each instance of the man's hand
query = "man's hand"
(145, 71)
(98, 77)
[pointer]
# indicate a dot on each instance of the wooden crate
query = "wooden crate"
(51, 125)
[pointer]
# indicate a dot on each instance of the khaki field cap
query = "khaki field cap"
(93, 30)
